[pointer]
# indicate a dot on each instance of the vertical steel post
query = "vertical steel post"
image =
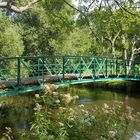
(43, 74)
(106, 67)
(63, 69)
(94, 68)
(80, 75)
(138, 71)
(111, 67)
(133, 68)
(38, 66)
(134, 71)
(125, 67)
(18, 73)
(116, 67)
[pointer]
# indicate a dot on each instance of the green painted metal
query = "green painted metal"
(23, 74)
(97, 80)
(21, 91)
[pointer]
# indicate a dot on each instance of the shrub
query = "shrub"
(66, 123)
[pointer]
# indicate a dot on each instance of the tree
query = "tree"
(42, 25)
(20, 6)
(131, 39)
(105, 30)
(10, 40)
(77, 43)
(116, 32)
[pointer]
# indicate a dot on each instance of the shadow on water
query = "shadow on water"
(15, 112)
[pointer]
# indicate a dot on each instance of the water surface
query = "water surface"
(17, 111)
(90, 96)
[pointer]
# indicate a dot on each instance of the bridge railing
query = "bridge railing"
(18, 72)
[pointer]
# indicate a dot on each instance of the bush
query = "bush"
(65, 123)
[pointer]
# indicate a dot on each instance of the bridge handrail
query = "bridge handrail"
(68, 57)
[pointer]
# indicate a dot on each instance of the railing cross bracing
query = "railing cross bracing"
(23, 74)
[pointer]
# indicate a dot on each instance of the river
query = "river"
(16, 111)
(90, 96)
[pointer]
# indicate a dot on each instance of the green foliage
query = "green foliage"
(45, 125)
(106, 123)
(10, 40)
(11, 44)
(43, 25)
(52, 27)
(77, 43)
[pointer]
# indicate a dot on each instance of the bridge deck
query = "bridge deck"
(54, 78)
(32, 81)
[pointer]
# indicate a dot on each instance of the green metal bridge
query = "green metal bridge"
(25, 74)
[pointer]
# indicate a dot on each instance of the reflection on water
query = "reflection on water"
(15, 112)
(95, 96)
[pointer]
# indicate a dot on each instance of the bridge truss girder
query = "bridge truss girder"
(20, 73)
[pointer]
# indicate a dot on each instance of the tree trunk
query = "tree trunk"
(125, 54)
(130, 61)
(113, 49)
(125, 60)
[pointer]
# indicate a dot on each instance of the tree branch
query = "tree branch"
(8, 5)
(85, 16)
(110, 8)
(90, 5)
(136, 50)
(108, 39)
(123, 8)
(74, 8)
(115, 37)
(134, 41)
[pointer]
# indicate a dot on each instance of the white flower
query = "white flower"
(81, 105)
(57, 101)
(61, 124)
(112, 134)
(37, 95)
(106, 106)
